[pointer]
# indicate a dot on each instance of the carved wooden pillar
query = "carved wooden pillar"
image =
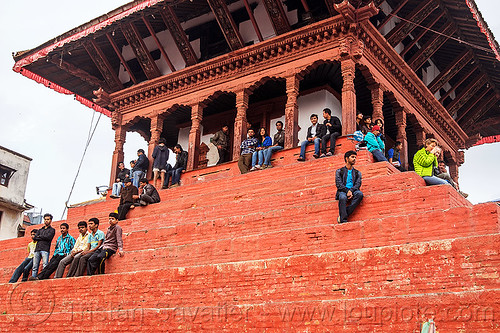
(195, 136)
(421, 136)
(377, 101)
(348, 67)
(454, 163)
(400, 114)
(292, 111)
(156, 129)
(118, 155)
(240, 122)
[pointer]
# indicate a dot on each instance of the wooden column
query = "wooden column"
(421, 136)
(240, 122)
(400, 115)
(453, 168)
(377, 101)
(156, 129)
(118, 155)
(195, 136)
(292, 111)
(348, 96)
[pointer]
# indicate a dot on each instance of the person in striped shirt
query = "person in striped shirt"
(64, 245)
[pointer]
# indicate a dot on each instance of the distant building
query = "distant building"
(14, 169)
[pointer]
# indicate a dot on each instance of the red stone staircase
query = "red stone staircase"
(263, 252)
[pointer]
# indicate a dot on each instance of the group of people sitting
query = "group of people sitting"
(87, 253)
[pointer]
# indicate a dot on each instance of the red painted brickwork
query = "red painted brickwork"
(263, 252)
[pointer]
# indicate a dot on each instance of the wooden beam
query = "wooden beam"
(484, 107)
(457, 84)
(277, 15)
(331, 7)
(157, 41)
(122, 60)
(449, 72)
(140, 50)
(466, 94)
(181, 40)
(78, 72)
(485, 123)
(395, 11)
(473, 104)
(103, 65)
(252, 18)
(420, 35)
(226, 24)
(404, 28)
(431, 47)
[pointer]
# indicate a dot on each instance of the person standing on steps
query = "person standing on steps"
(160, 158)
(64, 245)
(43, 239)
(348, 182)
(314, 134)
(334, 130)
(112, 243)
(140, 168)
(221, 141)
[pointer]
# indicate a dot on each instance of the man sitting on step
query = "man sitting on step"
(314, 134)
(348, 181)
(112, 243)
(94, 241)
(127, 199)
(247, 149)
(80, 246)
(149, 194)
(64, 245)
(25, 268)
(334, 129)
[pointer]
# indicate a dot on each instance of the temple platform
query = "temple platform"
(263, 251)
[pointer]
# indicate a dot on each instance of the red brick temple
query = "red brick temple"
(263, 251)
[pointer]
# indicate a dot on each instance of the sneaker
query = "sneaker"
(132, 207)
(329, 153)
(258, 167)
(301, 159)
(253, 169)
(322, 155)
(143, 203)
(315, 155)
(269, 166)
(164, 187)
(465, 195)
(112, 196)
(174, 185)
(32, 278)
(264, 167)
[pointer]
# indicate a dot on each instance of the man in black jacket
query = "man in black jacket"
(348, 181)
(221, 141)
(149, 194)
(117, 186)
(314, 134)
(140, 167)
(334, 128)
(126, 199)
(179, 167)
(43, 239)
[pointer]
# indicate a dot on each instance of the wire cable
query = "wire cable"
(89, 139)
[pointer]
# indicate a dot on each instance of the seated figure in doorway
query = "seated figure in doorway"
(314, 134)
(264, 142)
(394, 155)
(334, 130)
(279, 143)
(118, 185)
(221, 141)
(181, 158)
(247, 149)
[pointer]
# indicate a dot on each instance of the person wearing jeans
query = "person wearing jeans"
(334, 128)
(140, 168)
(279, 143)
(314, 134)
(180, 166)
(25, 268)
(375, 144)
(348, 182)
(43, 239)
(425, 160)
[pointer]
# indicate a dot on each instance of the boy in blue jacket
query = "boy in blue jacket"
(375, 144)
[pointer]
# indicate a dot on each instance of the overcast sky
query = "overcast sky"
(52, 128)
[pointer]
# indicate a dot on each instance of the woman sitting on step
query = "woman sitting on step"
(425, 161)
